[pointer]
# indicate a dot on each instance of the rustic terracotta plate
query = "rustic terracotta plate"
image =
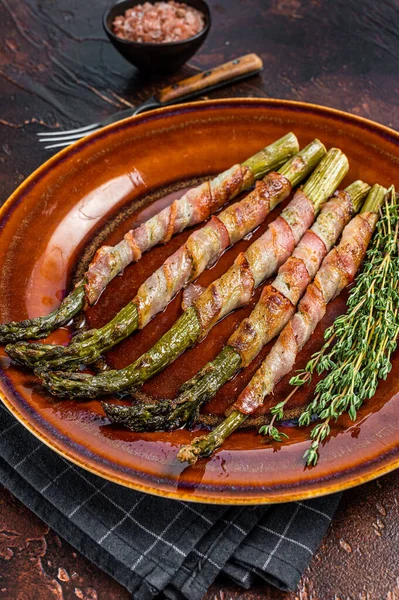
(93, 192)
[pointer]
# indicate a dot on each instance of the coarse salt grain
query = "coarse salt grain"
(159, 23)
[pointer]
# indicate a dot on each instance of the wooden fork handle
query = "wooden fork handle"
(236, 69)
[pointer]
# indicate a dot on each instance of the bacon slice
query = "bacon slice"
(278, 300)
(191, 293)
(235, 287)
(334, 216)
(337, 270)
(193, 207)
(205, 246)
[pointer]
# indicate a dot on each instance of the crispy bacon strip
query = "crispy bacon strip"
(205, 246)
(278, 300)
(337, 270)
(194, 206)
(235, 287)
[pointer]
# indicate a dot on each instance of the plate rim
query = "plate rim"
(389, 463)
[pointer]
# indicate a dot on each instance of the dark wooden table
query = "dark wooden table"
(58, 70)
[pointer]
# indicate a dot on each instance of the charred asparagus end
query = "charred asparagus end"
(60, 383)
(205, 445)
(29, 354)
(140, 417)
(160, 416)
(273, 156)
(85, 348)
(188, 454)
(172, 414)
(41, 326)
(183, 334)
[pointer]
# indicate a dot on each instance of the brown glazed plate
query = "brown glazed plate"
(92, 193)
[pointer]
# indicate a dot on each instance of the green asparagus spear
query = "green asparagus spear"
(166, 415)
(89, 346)
(184, 410)
(261, 163)
(204, 446)
(187, 330)
(41, 326)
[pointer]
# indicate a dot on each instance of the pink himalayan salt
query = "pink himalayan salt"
(159, 23)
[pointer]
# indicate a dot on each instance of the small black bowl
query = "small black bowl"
(156, 58)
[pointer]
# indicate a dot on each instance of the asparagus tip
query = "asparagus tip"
(115, 413)
(12, 351)
(43, 375)
(108, 410)
(188, 454)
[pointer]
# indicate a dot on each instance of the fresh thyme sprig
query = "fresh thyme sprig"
(365, 338)
(278, 414)
(305, 376)
(366, 335)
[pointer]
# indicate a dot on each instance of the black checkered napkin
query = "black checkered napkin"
(279, 547)
(152, 544)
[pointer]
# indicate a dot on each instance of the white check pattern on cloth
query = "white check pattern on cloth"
(281, 537)
(155, 544)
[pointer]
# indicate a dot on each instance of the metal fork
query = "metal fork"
(205, 81)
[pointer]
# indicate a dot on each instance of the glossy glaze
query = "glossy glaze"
(55, 214)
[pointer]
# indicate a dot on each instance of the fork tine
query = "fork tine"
(66, 138)
(60, 145)
(68, 131)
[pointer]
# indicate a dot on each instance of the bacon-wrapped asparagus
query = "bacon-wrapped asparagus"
(232, 290)
(193, 207)
(336, 272)
(200, 251)
(274, 308)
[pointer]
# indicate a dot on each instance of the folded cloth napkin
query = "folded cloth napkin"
(150, 544)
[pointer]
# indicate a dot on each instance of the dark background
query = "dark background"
(58, 70)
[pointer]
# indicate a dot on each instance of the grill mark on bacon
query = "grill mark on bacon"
(136, 252)
(309, 251)
(337, 271)
(177, 269)
(313, 305)
(193, 207)
(255, 207)
(348, 252)
(200, 204)
(334, 214)
(271, 250)
(327, 282)
(206, 245)
(172, 221)
(232, 289)
(251, 335)
(292, 279)
(299, 215)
